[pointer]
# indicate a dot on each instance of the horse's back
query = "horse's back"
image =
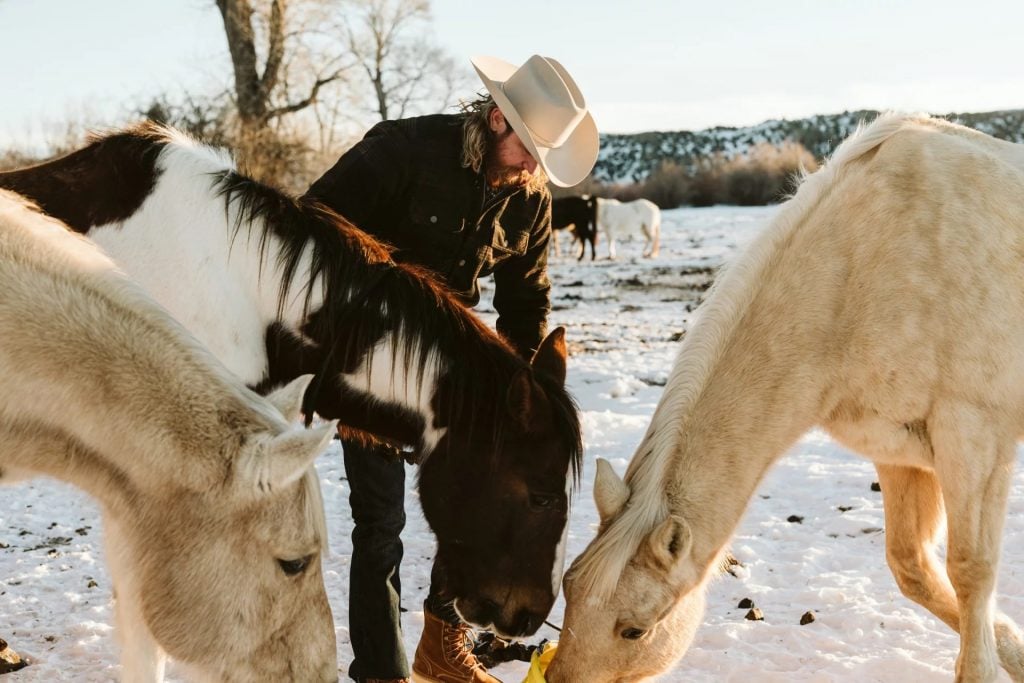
(918, 250)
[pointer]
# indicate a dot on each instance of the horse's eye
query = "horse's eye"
(295, 567)
(543, 500)
(633, 633)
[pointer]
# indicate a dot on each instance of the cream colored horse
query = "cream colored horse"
(885, 303)
(213, 518)
(622, 220)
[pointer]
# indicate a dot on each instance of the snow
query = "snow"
(623, 319)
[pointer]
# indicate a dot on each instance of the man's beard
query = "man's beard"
(506, 176)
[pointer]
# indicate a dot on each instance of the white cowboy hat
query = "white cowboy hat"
(547, 111)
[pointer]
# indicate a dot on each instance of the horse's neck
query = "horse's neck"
(738, 397)
(406, 374)
(38, 450)
(219, 284)
(131, 396)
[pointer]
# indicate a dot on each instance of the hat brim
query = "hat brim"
(565, 165)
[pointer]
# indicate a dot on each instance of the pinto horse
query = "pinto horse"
(885, 303)
(277, 286)
(210, 501)
(578, 215)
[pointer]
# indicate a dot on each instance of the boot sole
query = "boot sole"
(420, 678)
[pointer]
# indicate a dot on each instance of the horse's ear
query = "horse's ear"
(550, 356)
(288, 399)
(610, 492)
(270, 465)
(527, 402)
(670, 541)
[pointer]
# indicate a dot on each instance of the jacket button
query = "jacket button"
(433, 219)
(462, 262)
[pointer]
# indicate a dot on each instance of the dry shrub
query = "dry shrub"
(765, 173)
(668, 186)
(279, 154)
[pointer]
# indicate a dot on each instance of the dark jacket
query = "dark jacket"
(404, 183)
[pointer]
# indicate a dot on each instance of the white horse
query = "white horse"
(885, 303)
(213, 518)
(623, 220)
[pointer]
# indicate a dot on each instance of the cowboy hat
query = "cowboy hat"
(547, 111)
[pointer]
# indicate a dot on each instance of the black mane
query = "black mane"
(368, 294)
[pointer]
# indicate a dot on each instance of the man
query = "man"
(466, 196)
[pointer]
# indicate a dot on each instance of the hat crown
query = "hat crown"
(547, 100)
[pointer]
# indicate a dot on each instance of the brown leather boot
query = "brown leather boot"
(445, 654)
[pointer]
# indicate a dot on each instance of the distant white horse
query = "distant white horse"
(622, 220)
(885, 303)
(212, 511)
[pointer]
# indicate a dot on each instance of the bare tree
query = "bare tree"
(303, 73)
(407, 73)
(258, 94)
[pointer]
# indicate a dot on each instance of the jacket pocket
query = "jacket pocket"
(510, 242)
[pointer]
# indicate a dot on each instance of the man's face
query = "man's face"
(509, 163)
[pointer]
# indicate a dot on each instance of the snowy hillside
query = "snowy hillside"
(624, 320)
(629, 158)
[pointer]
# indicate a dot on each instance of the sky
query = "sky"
(642, 65)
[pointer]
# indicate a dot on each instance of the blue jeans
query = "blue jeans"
(376, 478)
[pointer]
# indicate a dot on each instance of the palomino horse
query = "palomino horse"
(213, 518)
(578, 215)
(622, 220)
(276, 287)
(885, 303)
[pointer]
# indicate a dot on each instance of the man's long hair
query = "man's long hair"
(478, 139)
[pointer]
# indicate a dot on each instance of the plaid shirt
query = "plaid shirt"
(405, 184)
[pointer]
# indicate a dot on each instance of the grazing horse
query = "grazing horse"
(578, 215)
(621, 220)
(885, 302)
(276, 287)
(212, 512)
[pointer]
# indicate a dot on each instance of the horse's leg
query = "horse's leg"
(648, 240)
(973, 464)
(913, 521)
(142, 659)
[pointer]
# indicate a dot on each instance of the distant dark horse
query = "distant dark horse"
(277, 286)
(579, 216)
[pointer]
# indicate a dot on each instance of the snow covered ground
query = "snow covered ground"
(624, 319)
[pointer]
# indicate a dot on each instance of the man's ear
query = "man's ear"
(495, 120)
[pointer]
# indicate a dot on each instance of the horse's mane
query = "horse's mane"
(728, 300)
(366, 293)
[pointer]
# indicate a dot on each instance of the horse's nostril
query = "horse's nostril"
(527, 622)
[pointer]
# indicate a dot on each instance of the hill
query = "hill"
(630, 158)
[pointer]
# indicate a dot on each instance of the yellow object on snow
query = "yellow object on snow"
(539, 662)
